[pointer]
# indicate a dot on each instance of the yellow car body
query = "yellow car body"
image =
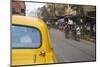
(22, 56)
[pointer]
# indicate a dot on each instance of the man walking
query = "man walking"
(78, 33)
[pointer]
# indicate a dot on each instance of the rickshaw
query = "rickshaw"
(30, 42)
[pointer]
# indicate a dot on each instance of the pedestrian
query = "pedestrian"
(78, 33)
(56, 24)
(70, 23)
(74, 31)
(66, 29)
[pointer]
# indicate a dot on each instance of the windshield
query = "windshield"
(25, 37)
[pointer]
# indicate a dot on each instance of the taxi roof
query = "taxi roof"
(24, 20)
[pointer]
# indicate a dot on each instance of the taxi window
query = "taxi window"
(25, 37)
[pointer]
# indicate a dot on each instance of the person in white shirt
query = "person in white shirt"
(78, 33)
(70, 23)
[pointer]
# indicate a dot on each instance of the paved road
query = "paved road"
(69, 50)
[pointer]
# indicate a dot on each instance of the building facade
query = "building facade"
(18, 8)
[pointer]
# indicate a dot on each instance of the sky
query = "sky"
(32, 7)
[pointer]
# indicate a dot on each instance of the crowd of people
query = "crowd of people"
(73, 29)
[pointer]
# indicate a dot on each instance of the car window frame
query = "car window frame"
(28, 27)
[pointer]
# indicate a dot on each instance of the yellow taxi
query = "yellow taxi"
(30, 42)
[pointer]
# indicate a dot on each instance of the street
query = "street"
(69, 50)
(72, 30)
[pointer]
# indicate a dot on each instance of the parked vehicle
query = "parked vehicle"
(30, 42)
